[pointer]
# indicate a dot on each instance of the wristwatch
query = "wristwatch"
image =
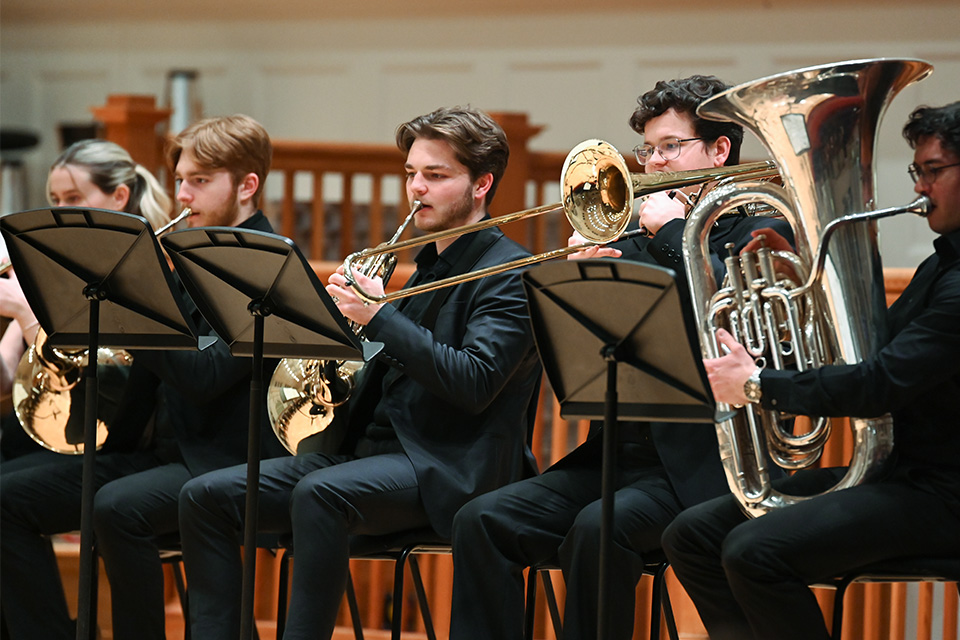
(751, 388)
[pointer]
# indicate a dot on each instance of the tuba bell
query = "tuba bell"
(823, 303)
(303, 393)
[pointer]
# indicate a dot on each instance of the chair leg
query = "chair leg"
(663, 593)
(529, 612)
(551, 597)
(282, 591)
(422, 598)
(837, 631)
(396, 626)
(181, 585)
(655, 602)
(94, 593)
(354, 609)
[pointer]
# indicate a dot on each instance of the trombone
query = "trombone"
(598, 193)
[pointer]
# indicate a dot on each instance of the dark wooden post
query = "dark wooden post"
(131, 121)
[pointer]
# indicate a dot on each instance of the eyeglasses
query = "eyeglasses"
(669, 149)
(928, 175)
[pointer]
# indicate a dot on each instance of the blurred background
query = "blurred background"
(351, 71)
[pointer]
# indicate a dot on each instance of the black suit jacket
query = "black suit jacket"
(461, 397)
(201, 399)
(689, 451)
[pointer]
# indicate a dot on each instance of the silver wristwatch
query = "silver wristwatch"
(751, 388)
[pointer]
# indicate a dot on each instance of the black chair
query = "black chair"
(550, 595)
(402, 550)
(169, 554)
(660, 602)
(917, 569)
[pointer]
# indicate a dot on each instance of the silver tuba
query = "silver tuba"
(824, 303)
(303, 393)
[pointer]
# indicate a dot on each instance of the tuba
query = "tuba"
(46, 383)
(823, 303)
(303, 393)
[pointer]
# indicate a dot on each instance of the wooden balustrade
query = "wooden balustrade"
(355, 199)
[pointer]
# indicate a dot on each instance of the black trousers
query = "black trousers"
(555, 517)
(323, 500)
(136, 502)
(748, 578)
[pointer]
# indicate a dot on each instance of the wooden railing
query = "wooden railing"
(333, 199)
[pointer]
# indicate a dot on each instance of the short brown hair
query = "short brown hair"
(477, 140)
(237, 143)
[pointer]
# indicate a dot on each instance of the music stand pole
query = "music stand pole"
(247, 622)
(608, 484)
(88, 574)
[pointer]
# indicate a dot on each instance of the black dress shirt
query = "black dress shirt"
(915, 376)
(380, 436)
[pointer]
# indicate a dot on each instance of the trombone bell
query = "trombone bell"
(597, 191)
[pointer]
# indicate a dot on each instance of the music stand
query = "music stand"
(95, 278)
(262, 297)
(589, 316)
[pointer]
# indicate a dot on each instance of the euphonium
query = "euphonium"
(819, 125)
(45, 384)
(303, 393)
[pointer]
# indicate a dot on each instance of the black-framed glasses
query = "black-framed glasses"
(669, 149)
(928, 175)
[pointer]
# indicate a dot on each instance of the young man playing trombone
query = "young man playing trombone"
(438, 418)
(182, 413)
(661, 467)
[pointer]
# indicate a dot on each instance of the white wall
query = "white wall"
(578, 75)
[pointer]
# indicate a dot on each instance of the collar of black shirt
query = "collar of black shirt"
(947, 247)
(428, 260)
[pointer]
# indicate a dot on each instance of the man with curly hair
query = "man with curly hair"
(662, 468)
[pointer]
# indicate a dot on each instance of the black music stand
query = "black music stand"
(95, 278)
(262, 297)
(589, 316)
